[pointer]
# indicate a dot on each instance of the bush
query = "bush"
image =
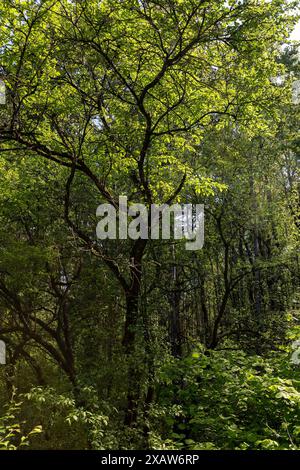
(228, 400)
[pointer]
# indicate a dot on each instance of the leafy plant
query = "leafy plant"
(12, 434)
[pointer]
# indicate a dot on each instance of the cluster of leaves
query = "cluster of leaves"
(61, 416)
(229, 400)
(12, 434)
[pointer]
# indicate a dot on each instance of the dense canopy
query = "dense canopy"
(140, 343)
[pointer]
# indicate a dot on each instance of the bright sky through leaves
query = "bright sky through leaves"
(295, 36)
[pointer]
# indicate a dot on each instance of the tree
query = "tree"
(122, 93)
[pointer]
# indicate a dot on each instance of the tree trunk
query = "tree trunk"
(132, 295)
